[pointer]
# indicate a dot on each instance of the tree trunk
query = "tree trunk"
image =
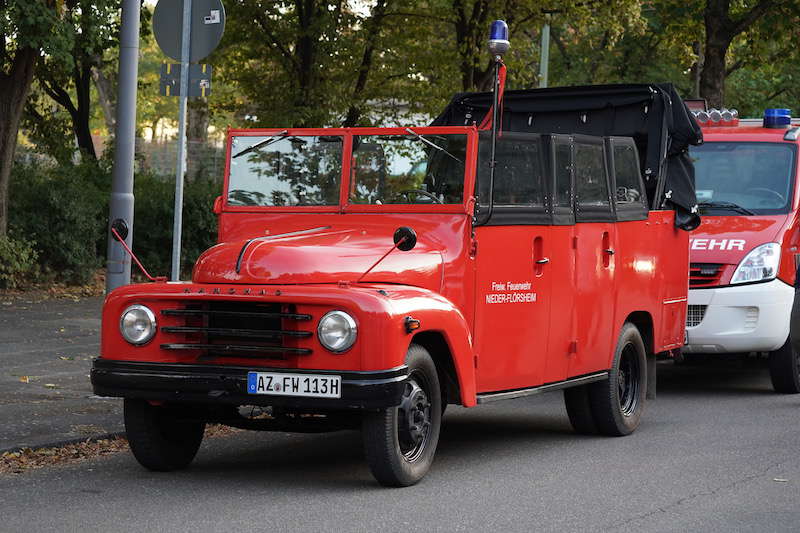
(82, 77)
(105, 95)
(712, 77)
(14, 89)
(470, 28)
(721, 29)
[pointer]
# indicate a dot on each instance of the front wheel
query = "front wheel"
(784, 369)
(159, 437)
(400, 442)
(618, 403)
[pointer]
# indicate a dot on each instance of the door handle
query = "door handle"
(543, 261)
(609, 251)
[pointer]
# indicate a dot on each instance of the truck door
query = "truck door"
(595, 260)
(513, 271)
(563, 325)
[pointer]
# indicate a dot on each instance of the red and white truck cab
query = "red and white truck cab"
(744, 254)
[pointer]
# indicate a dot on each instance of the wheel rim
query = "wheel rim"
(414, 417)
(628, 380)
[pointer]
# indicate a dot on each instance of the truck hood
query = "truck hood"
(727, 239)
(320, 255)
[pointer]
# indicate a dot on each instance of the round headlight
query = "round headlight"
(337, 331)
(137, 324)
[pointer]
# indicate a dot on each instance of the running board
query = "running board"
(573, 382)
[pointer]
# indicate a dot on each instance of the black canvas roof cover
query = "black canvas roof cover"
(654, 115)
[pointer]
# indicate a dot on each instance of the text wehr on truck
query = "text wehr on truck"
(366, 278)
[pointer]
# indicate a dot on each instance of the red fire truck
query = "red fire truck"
(365, 278)
(745, 254)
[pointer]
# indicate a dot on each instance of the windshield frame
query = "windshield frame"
(749, 139)
(344, 205)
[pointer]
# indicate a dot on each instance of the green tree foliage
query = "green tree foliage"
(91, 28)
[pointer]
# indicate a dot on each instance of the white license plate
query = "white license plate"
(280, 384)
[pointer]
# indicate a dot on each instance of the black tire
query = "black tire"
(618, 403)
(579, 410)
(159, 439)
(400, 442)
(784, 369)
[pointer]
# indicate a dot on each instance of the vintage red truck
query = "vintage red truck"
(365, 278)
(744, 256)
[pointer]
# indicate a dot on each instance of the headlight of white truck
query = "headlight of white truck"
(137, 324)
(761, 264)
(337, 331)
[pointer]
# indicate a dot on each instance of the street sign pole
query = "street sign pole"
(181, 164)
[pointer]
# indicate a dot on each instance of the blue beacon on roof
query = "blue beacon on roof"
(777, 118)
(498, 38)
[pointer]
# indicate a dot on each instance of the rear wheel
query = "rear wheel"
(617, 403)
(159, 437)
(784, 369)
(400, 442)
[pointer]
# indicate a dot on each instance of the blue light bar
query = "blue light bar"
(498, 38)
(777, 118)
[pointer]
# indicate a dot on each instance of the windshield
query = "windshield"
(408, 169)
(744, 178)
(281, 170)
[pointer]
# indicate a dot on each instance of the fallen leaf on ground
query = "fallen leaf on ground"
(50, 385)
(25, 379)
(63, 358)
(27, 458)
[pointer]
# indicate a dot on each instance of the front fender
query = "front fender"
(437, 314)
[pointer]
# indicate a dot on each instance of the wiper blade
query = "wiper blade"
(431, 144)
(269, 140)
(727, 205)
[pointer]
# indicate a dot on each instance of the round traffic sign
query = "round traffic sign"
(207, 25)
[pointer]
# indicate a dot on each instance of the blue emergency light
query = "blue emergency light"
(498, 38)
(777, 118)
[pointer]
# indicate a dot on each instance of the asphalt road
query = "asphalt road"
(717, 451)
(46, 352)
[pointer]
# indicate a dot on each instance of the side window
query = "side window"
(518, 171)
(591, 185)
(628, 187)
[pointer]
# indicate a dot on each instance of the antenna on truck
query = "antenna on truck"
(498, 45)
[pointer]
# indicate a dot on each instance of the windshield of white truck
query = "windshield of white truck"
(281, 170)
(744, 178)
(408, 169)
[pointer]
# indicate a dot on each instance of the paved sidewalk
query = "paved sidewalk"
(46, 352)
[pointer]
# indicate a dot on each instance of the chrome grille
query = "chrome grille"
(695, 315)
(237, 329)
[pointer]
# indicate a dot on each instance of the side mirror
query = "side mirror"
(405, 238)
(218, 205)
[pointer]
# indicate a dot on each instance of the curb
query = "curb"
(67, 442)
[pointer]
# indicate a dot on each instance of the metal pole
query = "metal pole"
(495, 118)
(121, 202)
(544, 56)
(181, 165)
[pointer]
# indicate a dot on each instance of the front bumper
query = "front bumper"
(215, 384)
(740, 318)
